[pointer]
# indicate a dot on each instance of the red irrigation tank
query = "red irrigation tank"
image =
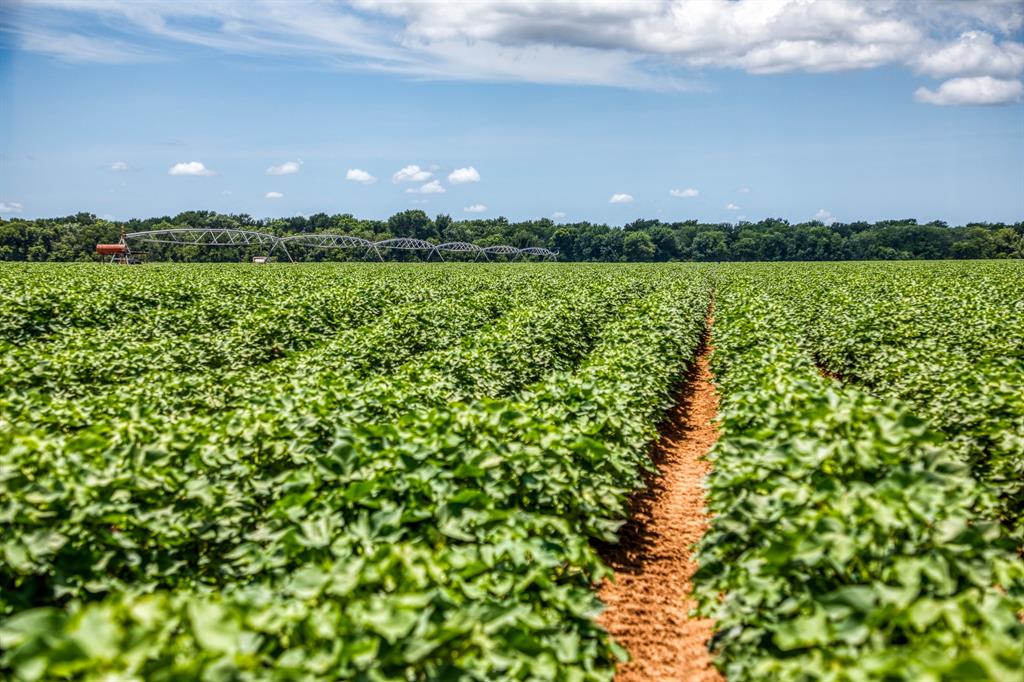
(111, 249)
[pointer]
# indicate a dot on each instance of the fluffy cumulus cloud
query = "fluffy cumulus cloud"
(731, 207)
(557, 215)
(286, 168)
(10, 207)
(687, 193)
(641, 44)
(190, 168)
(743, 190)
(757, 36)
(463, 175)
(974, 53)
(432, 187)
(411, 173)
(621, 199)
(977, 90)
(360, 176)
(273, 195)
(475, 208)
(825, 216)
(119, 166)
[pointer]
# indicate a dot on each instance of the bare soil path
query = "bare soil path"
(647, 603)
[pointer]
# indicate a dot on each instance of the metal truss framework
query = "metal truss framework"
(321, 240)
(463, 247)
(502, 250)
(209, 236)
(235, 237)
(407, 244)
(539, 251)
(329, 241)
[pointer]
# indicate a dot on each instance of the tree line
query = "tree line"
(73, 238)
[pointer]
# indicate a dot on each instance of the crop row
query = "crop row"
(445, 312)
(849, 540)
(951, 347)
(395, 473)
(114, 489)
(432, 522)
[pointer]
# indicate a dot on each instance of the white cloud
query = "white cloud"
(361, 176)
(59, 43)
(411, 173)
(648, 44)
(621, 199)
(119, 166)
(731, 207)
(975, 53)
(11, 207)
(432, 187)
(759, 36)
(190, 168)
(684, 193)
(978, 90)
(743, 190)
(273, 195)
(463, 175)
(475, 208)
(286, 168)
(557, 215)
(825, 216)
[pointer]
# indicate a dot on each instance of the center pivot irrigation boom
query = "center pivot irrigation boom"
(199, 236)
(217, 236)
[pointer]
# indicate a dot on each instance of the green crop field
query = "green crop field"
(404, 471)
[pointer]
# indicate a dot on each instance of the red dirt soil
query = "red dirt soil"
(648, 603)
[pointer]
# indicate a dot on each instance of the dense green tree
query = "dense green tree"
(666, 246)
(638, 246)
(1007, 243)
(412, 223)
(709, 246)
(443, 224)
(74, 237)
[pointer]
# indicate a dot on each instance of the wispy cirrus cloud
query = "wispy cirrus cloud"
(67, 45)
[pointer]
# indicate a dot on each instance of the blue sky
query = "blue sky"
(774, 108)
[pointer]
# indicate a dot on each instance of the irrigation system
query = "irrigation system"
(187, 236)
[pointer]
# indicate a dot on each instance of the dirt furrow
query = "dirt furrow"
(647, 603)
